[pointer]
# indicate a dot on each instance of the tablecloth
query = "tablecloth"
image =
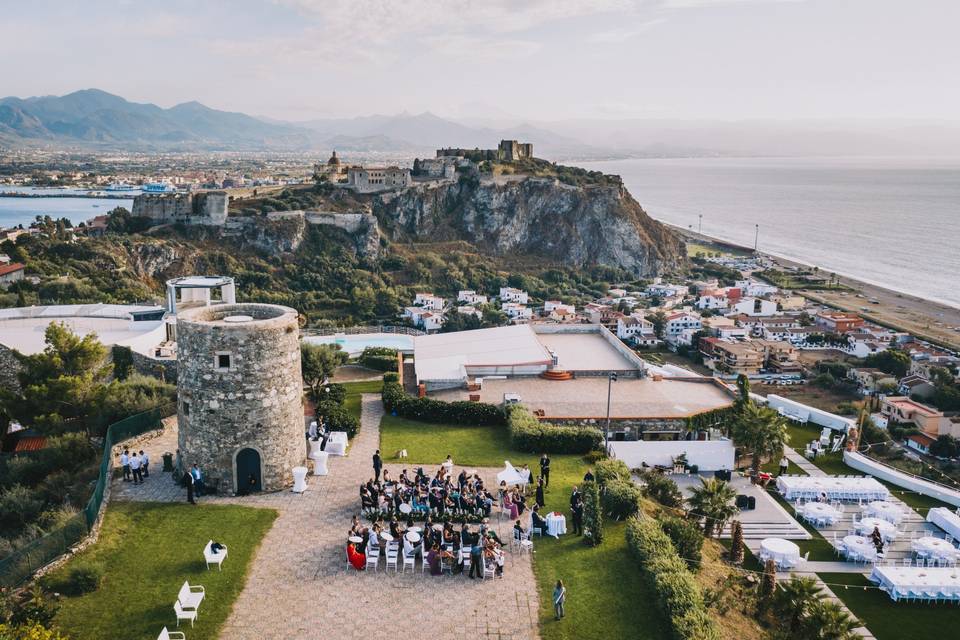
(918, 579)
(947, 520)
(938, 548)
(889, 511)
(816, 510)
(783, 552)
(556, 524)
(887, 529)
(299, 479)
(859, 547)
(811, 487)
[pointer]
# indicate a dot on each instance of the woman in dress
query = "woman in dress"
(357, 560)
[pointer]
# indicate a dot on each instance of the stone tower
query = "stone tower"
(239, 388)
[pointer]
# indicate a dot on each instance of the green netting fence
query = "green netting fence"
(25, 561)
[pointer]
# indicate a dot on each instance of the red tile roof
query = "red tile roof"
(11, 268)
(30, 443)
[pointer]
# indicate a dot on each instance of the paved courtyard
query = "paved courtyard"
(299, 585)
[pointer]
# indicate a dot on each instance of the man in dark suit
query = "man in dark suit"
(188, 479)
(576, 507)
(377, 465)
(545, 469)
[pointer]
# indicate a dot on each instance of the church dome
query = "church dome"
(334, 160)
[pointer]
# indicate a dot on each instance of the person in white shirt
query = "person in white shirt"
(135, 468)
(145, 463)
(125, 463)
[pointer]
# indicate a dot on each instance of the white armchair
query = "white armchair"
(190, 597)
(212, 557)
(171, 635)
(184, 614)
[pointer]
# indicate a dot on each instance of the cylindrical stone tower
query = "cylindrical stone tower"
(239, 387)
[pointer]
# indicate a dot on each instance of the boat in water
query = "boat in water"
(158, 187)
(121, 186)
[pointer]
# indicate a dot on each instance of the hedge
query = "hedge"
(379, 358)
(337, 418)
(687, 539)
(675, 590)
(621, 499)
(391, 376)
(533, 436)
(592, 513)
(611, 470)
(463, 412)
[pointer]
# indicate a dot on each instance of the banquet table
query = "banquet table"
(887, 529)
(947, 520)
(888, 511)
(812, 487)
(859, 548)
(783, 552)
(337, 443)
(820, 510)
(937, 548)
(556, 524)
(299, 479)
(899, 581)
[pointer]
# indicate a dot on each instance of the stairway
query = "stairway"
(557, 375)
(760, 530)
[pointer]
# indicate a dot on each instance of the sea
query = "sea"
(893, 222)
(16, 211)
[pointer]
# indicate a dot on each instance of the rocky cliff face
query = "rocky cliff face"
(574, 225)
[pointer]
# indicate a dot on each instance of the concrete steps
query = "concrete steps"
(761, 530)
(557, 375)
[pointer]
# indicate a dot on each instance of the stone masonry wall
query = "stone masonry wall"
(256, 403)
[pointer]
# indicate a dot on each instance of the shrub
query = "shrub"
(19, 506)
(336, 394)
(77, 581)
(391, 376)
(677, 593)
(612, 470)
(593, 457)
(379, 358)
(662, 490)
(338, 418)
(592, 513)
(621, 498)
(686, 539)
(463, 412)
(532, 436)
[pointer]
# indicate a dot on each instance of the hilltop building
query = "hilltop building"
(506, 151)
(374, 179)
(205, 208)
(332, 171)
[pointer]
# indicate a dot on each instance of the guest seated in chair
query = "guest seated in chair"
(357, 560)
(537, 522)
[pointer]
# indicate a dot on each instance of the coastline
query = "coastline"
(898, 310)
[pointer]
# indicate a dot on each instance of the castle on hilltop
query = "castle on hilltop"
(506, 151)
(206, 208)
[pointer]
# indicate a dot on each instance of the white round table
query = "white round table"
(820, 510)
(556, 524)
(867, 525)
(413, 537)
(405, 508)
(783, 552)
(888, 511)
(299, 479)
(935, 548)
(859, 547)
(320, 463)
(355, 539)
(386, 536)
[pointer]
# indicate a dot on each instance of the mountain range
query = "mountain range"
(92, 119)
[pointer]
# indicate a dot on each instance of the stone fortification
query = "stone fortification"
(208, 208)
(239, 388)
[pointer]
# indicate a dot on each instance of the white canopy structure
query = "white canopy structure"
(511, 475)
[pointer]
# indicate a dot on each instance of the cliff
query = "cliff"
(578, 226)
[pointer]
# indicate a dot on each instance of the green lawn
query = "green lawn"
(889, 620)
(607, 598)
(355, 390)
(773, 466)
(146, 551)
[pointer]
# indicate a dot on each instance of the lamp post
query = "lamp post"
(606, 432)
(700, 224)
(756, 238)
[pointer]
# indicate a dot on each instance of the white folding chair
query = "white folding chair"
(184, 614)
(409, 559)
(373, 558)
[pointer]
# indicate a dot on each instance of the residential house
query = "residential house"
(713, 299)
(724, 327)
(429, 301)
(10, 273)
(666, 290)
(838, 321)
(431, 321)
(616, 292)
(551, 305)
(755, 289)
(563, 314)
(916, 386)
(469, 310)
(516, 312)
(755, 307)
(748, 357)
(509, 294)
(680, 321)
(776, 327)
(903, 410)
(637, 330)
(920, 442)
(415, 314)
(869, 380)
(470, 296)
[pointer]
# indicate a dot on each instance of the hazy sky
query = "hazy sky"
(544, 59)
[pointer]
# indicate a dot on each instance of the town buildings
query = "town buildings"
(838, 321)
(904, 411)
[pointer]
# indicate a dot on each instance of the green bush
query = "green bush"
(77, 581)
(338, 418)
(621, 498)
(379, 358)
(592, 513)
(336, 394)
(533, 436)
(677, 593)
(391, 376)
(464, 412)
(612, 470)
(593, 457)
(687, 539)
(662, 490)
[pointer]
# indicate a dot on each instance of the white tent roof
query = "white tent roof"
(444, 356)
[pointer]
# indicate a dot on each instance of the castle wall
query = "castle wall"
(207, 208)
(255, 402)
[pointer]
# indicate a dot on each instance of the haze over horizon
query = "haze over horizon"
(546, 61)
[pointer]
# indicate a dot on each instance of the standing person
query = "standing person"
(135, 468)
(559, 598)
(540, 501)
(588, 476)
(377, 465)
(197, 479)
(784, 463)
(576, 507)
(545, 469)
(188, 479)
(476, 557)
(145, 463)
(125, 463)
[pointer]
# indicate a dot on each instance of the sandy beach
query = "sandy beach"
(933, 321)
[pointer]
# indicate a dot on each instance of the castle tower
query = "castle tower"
(239, 389)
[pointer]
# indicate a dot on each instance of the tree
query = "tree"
(768, 585)
(760, 430)
(662, 490)
(945, 446)
(892, 361)
(659, 320)
(736, 543)
(743, 391)
(829, 621)
(456, 321)
(795, 600)
(317, 364)
(713, 501)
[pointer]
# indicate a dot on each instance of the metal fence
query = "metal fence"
(25, 561)
(380, 328)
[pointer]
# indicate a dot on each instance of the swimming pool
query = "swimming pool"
(354, 344)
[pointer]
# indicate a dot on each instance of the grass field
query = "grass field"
(354, 392)
(607, 598)
(146, 551)
(889, 620)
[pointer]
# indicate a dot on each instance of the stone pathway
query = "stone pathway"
(299, 585)
(808, 467)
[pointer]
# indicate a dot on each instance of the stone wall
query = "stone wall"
(147, 366)
(9, 367)
(208, 208)
(255, 402)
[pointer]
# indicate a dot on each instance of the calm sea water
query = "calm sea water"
(891, 222)
(14, 211)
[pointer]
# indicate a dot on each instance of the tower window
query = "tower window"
(186, 408)
(223, 361)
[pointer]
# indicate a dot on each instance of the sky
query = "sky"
(532, 59)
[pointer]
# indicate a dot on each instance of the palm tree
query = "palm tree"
(795, 600)
(760, 430)
(713, 501)
(829, 621)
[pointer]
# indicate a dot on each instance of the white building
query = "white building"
(755, 289)
(468, 310)
(516, 311)
(556, 305)
(431, 321)
(636, 329)
(714, 300)
(681, 321)
(755, 307)
(372, 179)
(667, 290)
(429, 301)
(470, 296)
(509, 294)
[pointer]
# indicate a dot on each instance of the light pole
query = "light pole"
(700, 225)
(606, 432)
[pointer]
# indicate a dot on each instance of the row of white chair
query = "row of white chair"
(187, 605)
